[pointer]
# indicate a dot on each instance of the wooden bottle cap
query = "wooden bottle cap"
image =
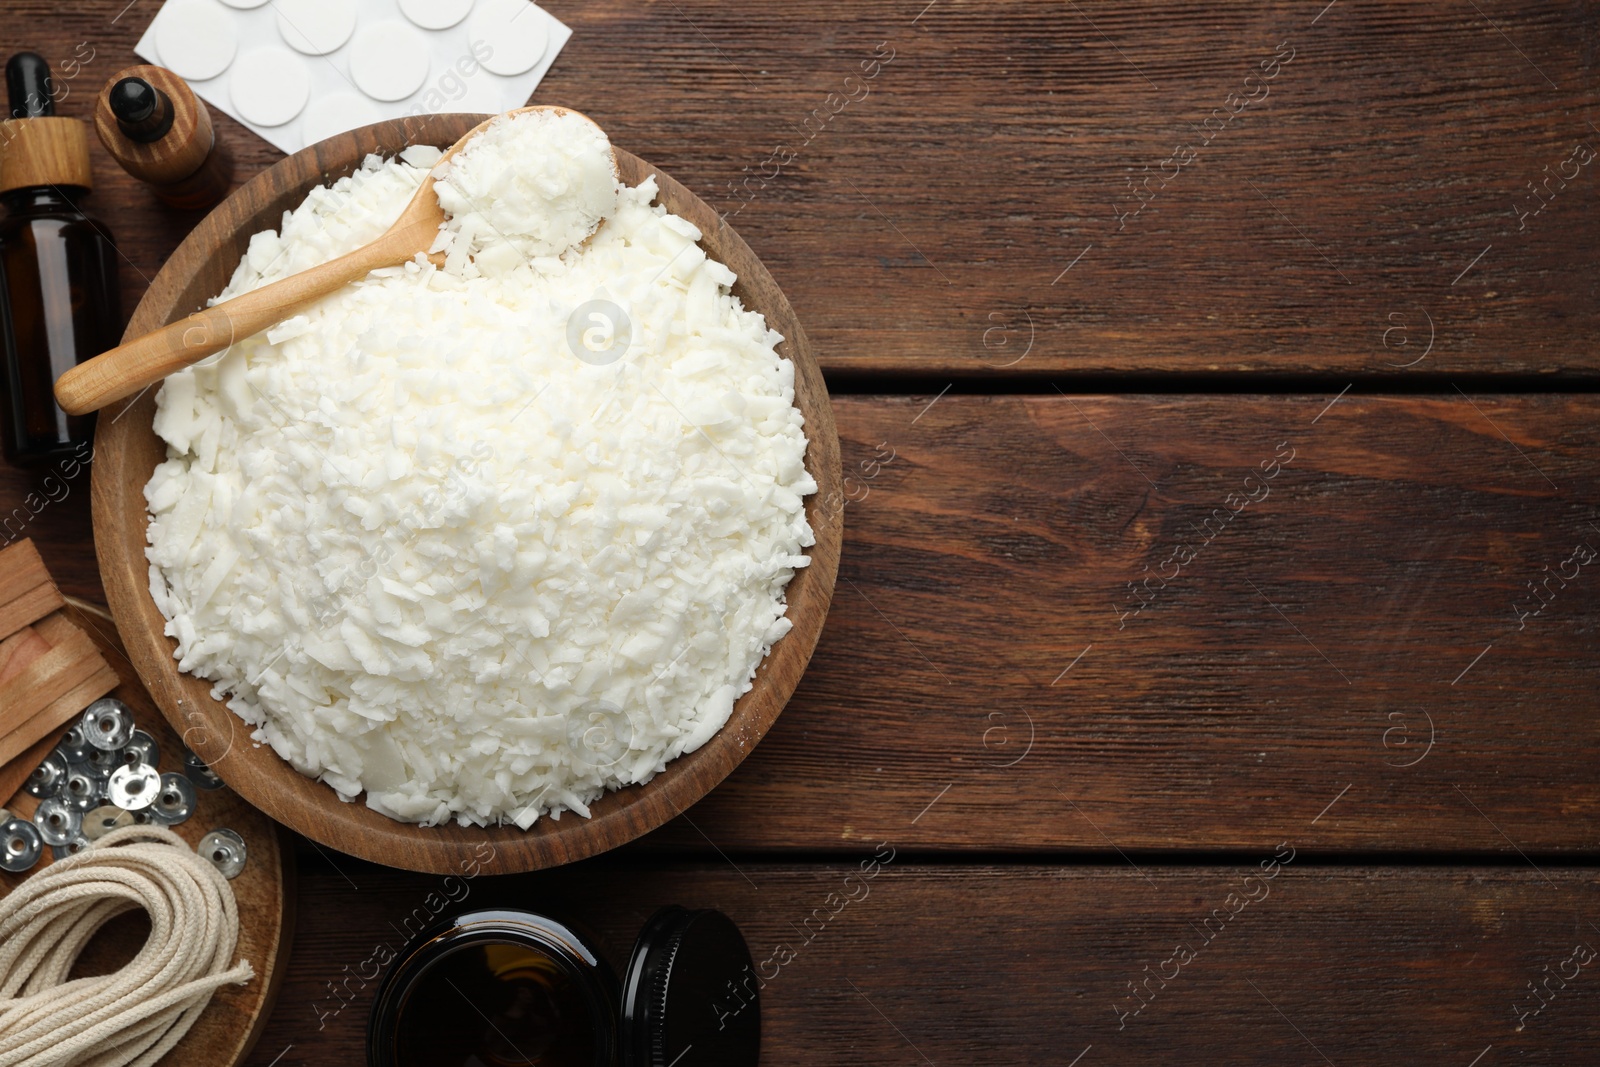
(47, 150)
(179, 152)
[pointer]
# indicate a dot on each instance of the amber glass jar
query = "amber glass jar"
(502, 987)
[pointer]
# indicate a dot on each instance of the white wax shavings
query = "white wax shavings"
(434, 556)
(530, 185)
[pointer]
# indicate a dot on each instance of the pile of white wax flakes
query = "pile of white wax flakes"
(486, 541)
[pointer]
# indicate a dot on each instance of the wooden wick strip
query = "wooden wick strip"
(16, 652)
(27, 593)
(49, 673)
(96, 679)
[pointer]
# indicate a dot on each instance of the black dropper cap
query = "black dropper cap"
(28, 86)
(143, 112)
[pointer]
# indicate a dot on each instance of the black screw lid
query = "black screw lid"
(691, 996)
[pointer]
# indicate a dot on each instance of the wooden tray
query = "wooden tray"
(227, 1031)
(127, 451)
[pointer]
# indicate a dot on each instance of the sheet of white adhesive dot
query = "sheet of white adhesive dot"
(199, 42)
(315, 27)
(435, 14)
(354, 62)
(519, 39)
(337, 112)
(270, 85)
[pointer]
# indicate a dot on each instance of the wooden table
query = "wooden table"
(1237, 364)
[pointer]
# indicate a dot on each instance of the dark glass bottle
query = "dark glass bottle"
(58, 269)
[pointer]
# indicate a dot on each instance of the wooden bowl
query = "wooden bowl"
(127, 450)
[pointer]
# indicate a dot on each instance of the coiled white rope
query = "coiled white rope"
(135, 1015)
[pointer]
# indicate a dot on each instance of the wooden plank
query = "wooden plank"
(1298, 658)
(991, 551)
(1031, 964)
(1373, 208)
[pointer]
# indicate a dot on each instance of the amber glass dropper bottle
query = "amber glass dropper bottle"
(58, 270)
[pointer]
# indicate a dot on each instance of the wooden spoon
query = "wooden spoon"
(140, 363)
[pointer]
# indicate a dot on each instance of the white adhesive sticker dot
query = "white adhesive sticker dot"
(516, 30)
(389, 60)
(315, 27)
(336, 113)
(196, 39)
(270, 86)
(244, 5)
(435, 14)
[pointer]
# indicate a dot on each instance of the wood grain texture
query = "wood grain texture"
(1000, 542)
(264, 890)
(177, 154)
(16, 652)
(52, 690)
(51, 508)
(72, 657)
(27, 593)
(1304, 649)
(924, 224)
(1362, 219)
(128, 450)
(21, 569)
(29, 607)
(19, 650)
(48, 150)
(15, 773)
(1026, 964)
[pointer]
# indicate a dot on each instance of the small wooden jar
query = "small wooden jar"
(176, 150)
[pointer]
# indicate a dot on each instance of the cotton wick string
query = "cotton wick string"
(135, 1015)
